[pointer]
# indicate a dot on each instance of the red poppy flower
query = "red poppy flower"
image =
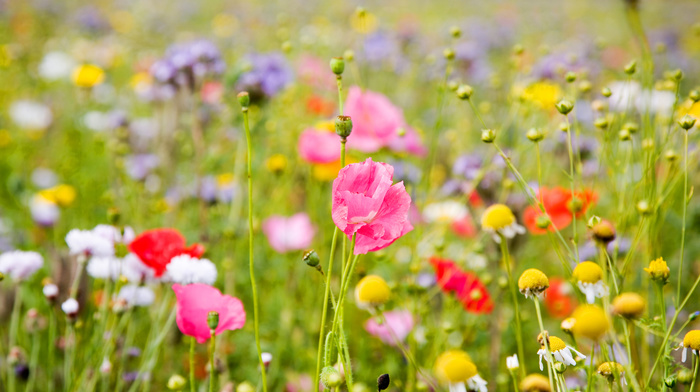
(320, 106)
(464, 227)
(559, 300)
(157, 247)
(556, 202)
(468, 288)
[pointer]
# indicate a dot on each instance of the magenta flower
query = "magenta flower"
(375, 120)
(365, 202)
(399, 323)
(195, 301)
(289, 233)
(319, 146)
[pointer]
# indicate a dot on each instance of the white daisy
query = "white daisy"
(560, 351)
(88, 243)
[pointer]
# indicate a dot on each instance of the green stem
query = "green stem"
(570, 147)
(324, 312)
(52, 348)
(545, 338)
(514, 296)
(256, 321)
(685, 208)
(34, 361)
(339, 82)
(14, 327)
(696, 359)
(193, 342)
(68, 361)
(589, 383)
(78, 276)
(212, 369)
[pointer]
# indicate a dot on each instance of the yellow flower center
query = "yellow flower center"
(591, 321)
(630, 305)
(372, 290)
(608, 369)
(588, 272)
(455, 366)
(692, 340)
(533, 279)
(544, 94)
(88, 75)
(535, 383)
(276, 163)
(556, 344)
(497, 217)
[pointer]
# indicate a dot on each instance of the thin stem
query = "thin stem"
(78, 276)
(68, 361)
(193, 342)
(685, 208)
(570, 147)
(14, 326)
(256, 321)
(33, 364)
(324, 312)
(339, 82)
(52, 348)
(589, 383)
(545, 338)
(696, 360)
(514, 296)
(212, 369)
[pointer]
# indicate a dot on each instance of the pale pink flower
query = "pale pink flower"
(365, 202)
(289, 233)
(319, 146)
(195, 301)
(375, 120)
(399, 323)
(409, 142)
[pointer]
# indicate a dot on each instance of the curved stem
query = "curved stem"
(514, 296)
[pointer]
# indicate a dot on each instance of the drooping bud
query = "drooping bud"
(571, 76)
(176, 382)
(488, 136)
(244, 100)
(213, 320)
(311, 258)
(631, 67)
(383, 382)
(606, 92)
(343, 126)
(448, 53)
(604, 232)
(534, 135)
(564, 107)
(687, 122)
(464, 91)
(337, 65)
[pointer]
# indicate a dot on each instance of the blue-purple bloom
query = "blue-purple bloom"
(269, 73)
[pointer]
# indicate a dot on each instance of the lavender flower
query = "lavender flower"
(268, 75)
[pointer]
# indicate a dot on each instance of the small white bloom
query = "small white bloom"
(106, 366)
(185, 269)
(31, 115)
(266, 358)
(512, 362)
(104, 268)
(137, 295)
(477, 383)
(136, 271)
(447, 211)
(56, 65)
(70, 307)
(50, 291)
(44, 212)
(20, 265)
(88, 243)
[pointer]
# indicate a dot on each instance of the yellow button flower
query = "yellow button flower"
(535, 383)
(588, 276)
(611, 371)
(629, 305)
(543, 94)
(276, 163)
(658, 270)
(372, 291)
(691, 341)
(456, 369)
(591, 321)
(88, 75)
(499, 220)
(533, 282)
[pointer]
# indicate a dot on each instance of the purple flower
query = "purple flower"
(139, 166)
(269, 74)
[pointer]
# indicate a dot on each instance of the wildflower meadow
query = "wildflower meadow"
(307, 196)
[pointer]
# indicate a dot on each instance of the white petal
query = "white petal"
(685, 352)
(568, 358)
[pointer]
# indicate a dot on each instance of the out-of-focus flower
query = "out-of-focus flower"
(185, 269)
(630, 95)
(445, 212)
(629, 305)
(367, 204)
(62, 195)
(157, 247)
(612, 371)
(512, 362)
(371, 291)
(319, 106)
(89, 243)
(136, 295)
(44, 177)
(88, 75)
(558, 203)
(195, 301)
(20, 265)
(470, 291)
(44, 212)
(139, 166)
(212, 92)
(269, 73)
(376, 121)
(544, 94)
(314, 72)
(499, 220)
(398, 324)
(70, 307)
(590, 322)
(31, 115)
(318, 145)
(589, 277)
(559, 300)
(289, 233)
(56, 65)
(456, 369)
(104, 268)
(533, 283)
(560, 351)
(535, 383)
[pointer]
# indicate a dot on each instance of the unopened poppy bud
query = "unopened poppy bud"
(331, 378)
(311, 258)
(670, 382)
(631, 67)
(694, 95)
(448, 53)
(643, 207)
(213, 320)
(176, 382)
(585, 86)
(455, 32)
(349, 55)
(534, 135)
(337, 65)
(601, 123)
(343, 126)
(464, 91)
(604, 232)
(686, 122)
(542, 222)
(488, 136)
(244, 100)
(383, 382)
(677, 75)
(606, 92)
(685, 376)
(564, 107)
(624, 135)
(571, 77)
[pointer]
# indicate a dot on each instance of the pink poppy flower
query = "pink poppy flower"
(375, 120)
(195, 301)
(400, 322)
(319, 146)
(365, 202)
(289, 233)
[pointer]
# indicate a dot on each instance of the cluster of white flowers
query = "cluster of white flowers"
(185, 269)
(98, 242)
(20, 265)
(137, 295)
(130, 267)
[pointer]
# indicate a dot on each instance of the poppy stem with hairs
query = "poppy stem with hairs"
(212, 369)
(244, 100)
(327, 293)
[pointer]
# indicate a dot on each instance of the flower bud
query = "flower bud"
(594, 220)
(331, 378)
(113, 215)
(677, 75)
(624, 135)
(213, 320)
(559, 367)
(601, 123)
(176, 382)
(693, 316)
(643, 207)
(383, 382)
(455, 32)
(670, 382)
(464, 91)
(244, 100)
(604, 232)
(687, 122)
(337, 65)
(694, 95)
(343, 126)
(2, 276)
(534, 135)
(452, 85)
(542, 222)
(311, 258)
(585, 86)
(518, 49)
(349, 55)
(564, 107)
(685, 376)
(606, 92)
(245, 387)
(631, 127)
(631, 67)
(448, 53)
(571, 77)
(488, 136)
(671, 155)
(70, 307)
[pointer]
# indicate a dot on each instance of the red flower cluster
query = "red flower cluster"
(559, 300)
(158, 246)
(558, 205)
(467, 287)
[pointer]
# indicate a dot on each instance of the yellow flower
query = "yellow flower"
(567, 325)
(591, 321)
(454, 367)
(363, 22)
(658, 270)
(691, 341)
(544, 94)
(224, 179)
(629, 305)
(372, 291)
(499, 220)
(611, 370)
(560, 351)
(535, 383)
(276, 163)
(5, 137)
(533, 282)
(88, 75)
(61, 195)
(588, 276)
